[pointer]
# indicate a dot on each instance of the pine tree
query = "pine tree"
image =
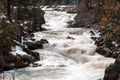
(6, 36)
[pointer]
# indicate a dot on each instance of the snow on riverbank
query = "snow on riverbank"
(70, 54)
(18, 51)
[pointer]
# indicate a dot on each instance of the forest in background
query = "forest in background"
(19, 19)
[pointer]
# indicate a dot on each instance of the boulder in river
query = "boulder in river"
(34, 54)
(33, 46)
(112, 72)
(36, 45)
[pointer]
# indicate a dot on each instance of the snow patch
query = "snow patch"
(18, 51)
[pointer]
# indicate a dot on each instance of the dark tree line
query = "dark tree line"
(15, 16)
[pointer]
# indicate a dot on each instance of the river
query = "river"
(70, 54)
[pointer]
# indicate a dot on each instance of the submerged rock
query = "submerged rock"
(36, 65)
(69, 37)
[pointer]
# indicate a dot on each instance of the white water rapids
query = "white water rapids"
(70, 54)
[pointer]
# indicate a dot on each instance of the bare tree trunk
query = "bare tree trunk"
(18, 10)
(5, 4)
(8, 8)
(34, 15)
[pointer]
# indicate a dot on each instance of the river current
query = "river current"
(70, 54)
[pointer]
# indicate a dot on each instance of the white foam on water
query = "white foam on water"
(70, 54)
(58, 19)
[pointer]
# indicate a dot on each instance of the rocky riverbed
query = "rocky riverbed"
(69, 55)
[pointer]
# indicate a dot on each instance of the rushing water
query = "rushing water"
(70, 54)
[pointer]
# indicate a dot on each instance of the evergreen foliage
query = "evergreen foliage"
(6, 36)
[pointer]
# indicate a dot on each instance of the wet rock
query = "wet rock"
(115, 52)
(43, 41)
(94, 38)
(69, 37)
(32, 35)
(36, 45)
(99, 41)
(9, 66)
(6, 62)
(11, 61)
(61, 66)
(105, 48)
(27, 58)
(92, 32)
(108, 43)
(15, 62)
(33, 46)
(34, 54)
(71, 12)
(36, 65)
(104, 51)
(32, 39)
(70, 23)
(21, 61)
(117, 62)
(112, 72)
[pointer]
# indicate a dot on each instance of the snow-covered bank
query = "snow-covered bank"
(70, 54)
